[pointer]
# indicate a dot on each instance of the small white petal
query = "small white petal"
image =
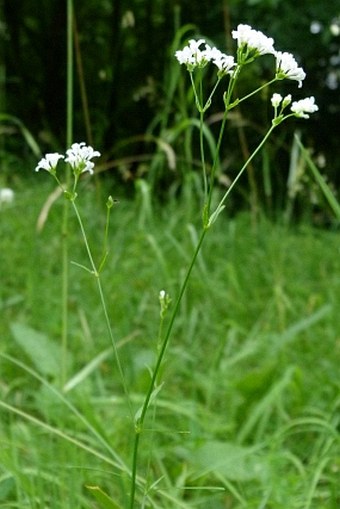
(192, 56)
(225, 63)
(304, 106)
(276, 100)
(49, 162)
(80, 155)
(286, 100)
(287, 67)
(254, 39)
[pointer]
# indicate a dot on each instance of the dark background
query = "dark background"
(126, 53)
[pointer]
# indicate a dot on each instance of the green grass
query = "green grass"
(248, 416)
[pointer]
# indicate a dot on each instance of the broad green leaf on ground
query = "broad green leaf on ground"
(43, 352)
(232, 461)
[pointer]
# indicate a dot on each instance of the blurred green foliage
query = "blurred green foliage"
(132, 85)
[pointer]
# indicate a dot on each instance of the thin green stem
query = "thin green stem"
(95, 272)
(87, 246)
(109, 205)
(227, 100)
(213, 168)
(197, 100)
(207, 222)
(208, 101)
(139, 425)
(239, 101)
(202, 109)
(65, 216)
(64, 293)
(134, 469)
(204, 167)
(220, 206)
(69, 78)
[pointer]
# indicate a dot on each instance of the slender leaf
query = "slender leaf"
(104, 499)
(332, 201)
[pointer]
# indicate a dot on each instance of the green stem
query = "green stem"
(220, 206)
(153, 382)
(69, 78)
(213, 168)
(65, 216)
(204, 168)
(197, 100)
(139, 424)
(227, 100)
(208, 102)
(239, 101)
(95, 272)
(109, 204)
(64, 294)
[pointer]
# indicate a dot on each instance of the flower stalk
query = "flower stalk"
(251, 44)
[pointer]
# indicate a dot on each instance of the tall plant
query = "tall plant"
(251, 44)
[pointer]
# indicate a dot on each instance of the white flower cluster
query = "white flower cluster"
(192, 56)
(304, 106)
(78, 156)
(251, 43)
(300, 109)
(224, 63)
(277, 99)
(253, 40)
(287, 67)
(49, 162)
(256, 41)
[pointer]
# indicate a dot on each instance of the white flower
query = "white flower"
(225, 63)
(79, 157)
(303, 107)
(276, 100)
(164, 300)
(192, 56)
(286, 100)
(253, 39)
(287, 67)
(6, 195)
(49, 162)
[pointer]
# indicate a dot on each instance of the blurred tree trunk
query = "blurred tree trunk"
(116, 57)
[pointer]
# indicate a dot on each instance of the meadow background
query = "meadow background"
(249, 413)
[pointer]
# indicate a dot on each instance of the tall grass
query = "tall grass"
(249, 413)
(241, 420)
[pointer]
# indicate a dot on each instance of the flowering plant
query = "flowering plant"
(251, 44)
(196, 55)
(78, 156)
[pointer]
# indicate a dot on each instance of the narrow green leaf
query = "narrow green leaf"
(104, 499)
(30, 140)
(332, 201)
(153, 396)
(81, 375)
